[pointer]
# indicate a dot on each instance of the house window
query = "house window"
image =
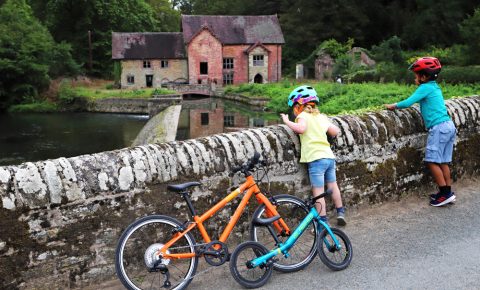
(228, 121)
(130, 79)
(228, 79)
(146, 64)
(164, 64)
(204, 68)
(204, 118)
(258, 60)
(228, 63)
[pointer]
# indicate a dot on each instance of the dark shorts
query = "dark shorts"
(440, 141)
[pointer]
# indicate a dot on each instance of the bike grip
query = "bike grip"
(255, 158)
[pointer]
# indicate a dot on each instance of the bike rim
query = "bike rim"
(128, 279)
(309, 243)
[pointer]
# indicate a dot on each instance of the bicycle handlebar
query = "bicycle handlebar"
(249, 165)
(328, 192)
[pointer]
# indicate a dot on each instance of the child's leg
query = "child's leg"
(337, 199)
(446, 173)
(437, 173)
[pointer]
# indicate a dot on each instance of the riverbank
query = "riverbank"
(83, 95)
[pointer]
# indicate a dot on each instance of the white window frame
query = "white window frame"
(258, 60)
(164, 64)
(147, 64)
(130, 79)
(228, 78)
(228, 63)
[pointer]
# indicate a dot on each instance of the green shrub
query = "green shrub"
(362, 76)
(39, 107)
(460, 74)
(66, 94)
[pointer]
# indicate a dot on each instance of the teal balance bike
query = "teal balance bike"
(251, 263)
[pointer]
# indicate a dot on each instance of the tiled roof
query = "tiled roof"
(148, 45)
(235, 29)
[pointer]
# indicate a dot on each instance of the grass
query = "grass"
(39, 107)
(345, 98)
(95, 93)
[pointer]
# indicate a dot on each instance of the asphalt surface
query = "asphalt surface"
(398, 245)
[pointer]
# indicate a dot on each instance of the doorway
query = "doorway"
(149, 80)
(258, 79)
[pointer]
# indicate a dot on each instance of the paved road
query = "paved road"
(399, 245)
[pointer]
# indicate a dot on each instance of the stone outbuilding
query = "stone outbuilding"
(221, 50)
(324, 66)
(149, 59)
(360, 57)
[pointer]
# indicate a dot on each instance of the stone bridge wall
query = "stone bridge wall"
(60, 219)
(202, 89)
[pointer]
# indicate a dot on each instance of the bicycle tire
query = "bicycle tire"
(292, 210)
(344, 255)
(136, 248)
(238, 268)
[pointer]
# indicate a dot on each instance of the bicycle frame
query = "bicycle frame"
(251, 188)
(290, 242)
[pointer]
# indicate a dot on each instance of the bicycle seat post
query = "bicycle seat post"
(189, 203)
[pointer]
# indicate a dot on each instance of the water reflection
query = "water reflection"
(33, 137)
(203, 117)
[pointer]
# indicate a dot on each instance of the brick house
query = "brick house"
(210, 49)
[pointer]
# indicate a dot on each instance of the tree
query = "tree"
(27, 54)
(71, 20)
(168, 18)
(470, 31)
(388, 51)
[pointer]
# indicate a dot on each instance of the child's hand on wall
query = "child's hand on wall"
(391, 107)
(284, 118)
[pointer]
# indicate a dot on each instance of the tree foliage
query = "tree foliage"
(71, 21)
(28, 54)
(470, 31)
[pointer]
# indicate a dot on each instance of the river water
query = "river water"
(33, 136)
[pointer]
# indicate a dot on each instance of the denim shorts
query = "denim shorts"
(321, 171)
(441, 138)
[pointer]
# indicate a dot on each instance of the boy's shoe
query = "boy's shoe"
(442, 199)
(437, 195)
(341, 219)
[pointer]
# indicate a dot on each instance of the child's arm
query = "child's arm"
(300, 127)
(416, 97)
(333, 130)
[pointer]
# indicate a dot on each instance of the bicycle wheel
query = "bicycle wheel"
(139, 267)
(249, 277)
(292, 210)
(327, 252)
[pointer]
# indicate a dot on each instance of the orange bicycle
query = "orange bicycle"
(160, 252)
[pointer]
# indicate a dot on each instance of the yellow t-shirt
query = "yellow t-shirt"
(314, 142)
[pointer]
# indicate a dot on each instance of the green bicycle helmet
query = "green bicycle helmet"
(302, 95)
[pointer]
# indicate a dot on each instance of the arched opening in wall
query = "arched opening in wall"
(258, 79)
(195, 96)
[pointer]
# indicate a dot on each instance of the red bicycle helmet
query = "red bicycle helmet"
(430, 65)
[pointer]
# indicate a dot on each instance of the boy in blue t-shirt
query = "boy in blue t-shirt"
(441, 130)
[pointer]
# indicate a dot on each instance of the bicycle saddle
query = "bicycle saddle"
(182, 187)
(265, 221)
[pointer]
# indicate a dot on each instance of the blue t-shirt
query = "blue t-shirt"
(432, 105)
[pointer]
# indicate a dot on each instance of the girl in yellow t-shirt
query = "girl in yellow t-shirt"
(313, 128)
